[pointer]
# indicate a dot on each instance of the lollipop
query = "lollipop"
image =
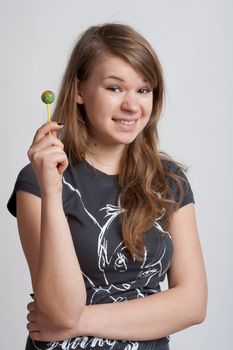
(48, 97)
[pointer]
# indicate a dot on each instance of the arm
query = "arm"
(46, 239)
(155, 316)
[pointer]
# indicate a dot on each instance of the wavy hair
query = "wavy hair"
(144, 192)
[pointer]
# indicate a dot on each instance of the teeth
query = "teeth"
(126, 122)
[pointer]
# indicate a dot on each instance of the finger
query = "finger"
(45, 153)
(46, 129)
(32, 327)
(31, 316)
(54, 133)
(31, 306)
(50, 158)
(62, 166)
(46, 142)
(58, 160)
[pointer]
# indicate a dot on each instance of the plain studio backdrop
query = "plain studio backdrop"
(194, 42)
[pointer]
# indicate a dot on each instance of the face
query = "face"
(117, 100)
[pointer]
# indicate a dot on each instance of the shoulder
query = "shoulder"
(177, 181)
(26, 181)
(171, 166)
(27, 174)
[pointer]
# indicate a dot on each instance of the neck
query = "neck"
(105, 159)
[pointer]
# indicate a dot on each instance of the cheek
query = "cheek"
(147, 102)
(99, 104)
(151, 105)
(148, 109)
(91, 107)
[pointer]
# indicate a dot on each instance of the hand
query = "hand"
(48, 158)
(42, 330)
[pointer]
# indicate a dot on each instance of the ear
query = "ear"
(79, 92)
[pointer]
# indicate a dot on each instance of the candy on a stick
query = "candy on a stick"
(48, 97)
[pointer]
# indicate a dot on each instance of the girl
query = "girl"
(103, 216)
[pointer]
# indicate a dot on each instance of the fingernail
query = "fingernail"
(60, 124)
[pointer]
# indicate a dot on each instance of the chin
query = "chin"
(127, 142)
(123, 140)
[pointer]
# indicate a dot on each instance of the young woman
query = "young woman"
(103, 216)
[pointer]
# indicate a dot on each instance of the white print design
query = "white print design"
(87, 343)
(112, 212)
(118, 260)
(79, 194)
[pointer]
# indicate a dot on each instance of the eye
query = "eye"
(144, 91)
(114, 88)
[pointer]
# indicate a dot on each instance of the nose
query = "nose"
(130, 102)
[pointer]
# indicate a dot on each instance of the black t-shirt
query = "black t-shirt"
(91, 204)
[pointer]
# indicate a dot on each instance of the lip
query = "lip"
(125, 124)
(124, 119)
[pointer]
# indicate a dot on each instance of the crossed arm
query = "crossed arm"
(60, 311)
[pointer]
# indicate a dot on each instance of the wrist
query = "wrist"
(51, 196)
(51, 202)
(51, 187)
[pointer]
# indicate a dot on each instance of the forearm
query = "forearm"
(59, 289)
(146, 318)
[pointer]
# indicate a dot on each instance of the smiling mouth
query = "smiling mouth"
(125, 121)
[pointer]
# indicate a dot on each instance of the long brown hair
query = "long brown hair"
(142, 178)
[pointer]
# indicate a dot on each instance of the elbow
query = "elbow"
(64, 320)
(60, 312)
(198, 314)
(196, 301)
(59, 317)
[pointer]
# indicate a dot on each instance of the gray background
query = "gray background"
(194, 42)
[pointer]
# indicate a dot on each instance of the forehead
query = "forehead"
(115, 67)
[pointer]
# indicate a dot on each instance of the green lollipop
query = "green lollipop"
(48, 97)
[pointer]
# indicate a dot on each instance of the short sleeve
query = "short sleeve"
(181, 192)
(26, 181)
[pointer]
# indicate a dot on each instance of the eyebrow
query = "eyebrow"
(114, 77)
(118, 78)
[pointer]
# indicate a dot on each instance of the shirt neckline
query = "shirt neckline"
(98, 173)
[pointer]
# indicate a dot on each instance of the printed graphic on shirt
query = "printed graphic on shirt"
(118, 260)
(87, 343)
